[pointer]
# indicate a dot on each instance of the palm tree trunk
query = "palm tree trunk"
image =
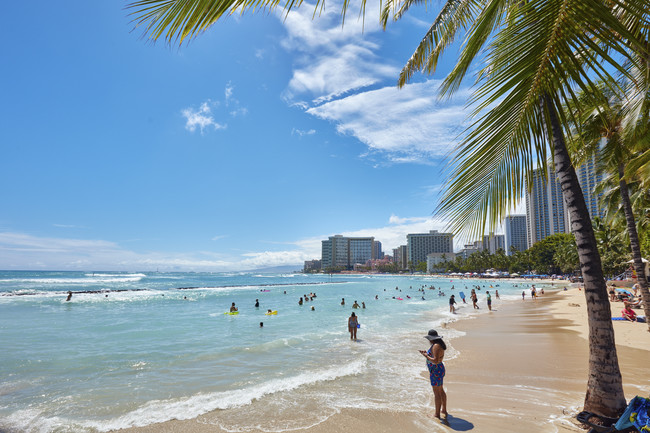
(605, 385)
(639, 267)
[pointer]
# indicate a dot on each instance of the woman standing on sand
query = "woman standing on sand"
(434, 357)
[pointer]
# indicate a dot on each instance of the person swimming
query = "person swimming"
(233, 308)
(257, 303)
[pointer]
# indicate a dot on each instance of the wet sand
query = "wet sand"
(521, 368)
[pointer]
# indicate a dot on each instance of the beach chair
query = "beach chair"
(634, 419)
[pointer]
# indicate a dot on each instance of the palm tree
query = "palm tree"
(601, 132)
(537, 53)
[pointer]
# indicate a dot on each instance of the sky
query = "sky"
(241, 149)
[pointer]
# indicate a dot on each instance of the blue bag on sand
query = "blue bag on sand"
(636, 414)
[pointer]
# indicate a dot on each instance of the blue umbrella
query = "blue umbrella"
(624, 291)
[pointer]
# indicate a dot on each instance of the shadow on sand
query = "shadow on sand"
(457, 424)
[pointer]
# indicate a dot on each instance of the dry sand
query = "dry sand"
(521, 368)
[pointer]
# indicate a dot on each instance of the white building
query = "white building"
(420, 244)
(435, 259)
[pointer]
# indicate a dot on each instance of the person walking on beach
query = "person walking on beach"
(496, 293)
(523, 295)
(452, 302)
(474, 300)
(352, 326)
(436, 368)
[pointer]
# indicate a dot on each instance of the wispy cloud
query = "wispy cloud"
(200, 118)
(302, 133)
(331, 60)
(406, 125)
(216, 238)
(336, 78)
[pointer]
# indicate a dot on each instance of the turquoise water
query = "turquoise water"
(136, 349)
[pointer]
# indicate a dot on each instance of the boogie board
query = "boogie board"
(462, 295)
(272, 313)
(234, 313)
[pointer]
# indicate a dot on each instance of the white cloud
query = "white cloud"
(332, 60)
(201, 118)
(335, 78)
(302, 133)
(407, 125)
(228, 92)
(216, 238)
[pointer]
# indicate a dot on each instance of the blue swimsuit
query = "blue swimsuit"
(436, 371)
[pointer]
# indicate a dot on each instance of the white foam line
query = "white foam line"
(187, 408)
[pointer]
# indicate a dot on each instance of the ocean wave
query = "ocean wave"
(76, 281)
(191, 407)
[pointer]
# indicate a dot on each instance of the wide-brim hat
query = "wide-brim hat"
(432, 335)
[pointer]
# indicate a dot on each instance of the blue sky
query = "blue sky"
(239, 150)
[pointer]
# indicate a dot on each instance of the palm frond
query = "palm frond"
(532, 54)
(455, 16)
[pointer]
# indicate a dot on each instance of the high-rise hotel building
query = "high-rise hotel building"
(545, 211)
(516, 235)
(344, 252)
(589, 177)
(420, 244)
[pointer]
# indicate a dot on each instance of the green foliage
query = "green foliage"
(421, 267)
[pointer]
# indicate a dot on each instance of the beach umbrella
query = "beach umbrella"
(624, 291)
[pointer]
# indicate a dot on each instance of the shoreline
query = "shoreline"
(521, 367)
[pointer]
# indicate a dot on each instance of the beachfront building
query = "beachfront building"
(344, 252)
(377, 253)
(516, 236)
(493, 242)
(545, 211)
(469, 249)
(589, 177)
(435, 260)
(400, 256)
(311, 266)
(420, 244)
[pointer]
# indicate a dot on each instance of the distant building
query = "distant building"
(312, 266)
(421, 244)
(589, 177)
(470, 249)
(516, 235)
(400, 256)
(361, 250)
(377, 253)
(494, 242)
(344, 252)
(434, 261)
(545, 211)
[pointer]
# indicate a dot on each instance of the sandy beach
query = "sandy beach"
(520, 368)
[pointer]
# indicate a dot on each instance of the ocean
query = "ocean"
(133, 349)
